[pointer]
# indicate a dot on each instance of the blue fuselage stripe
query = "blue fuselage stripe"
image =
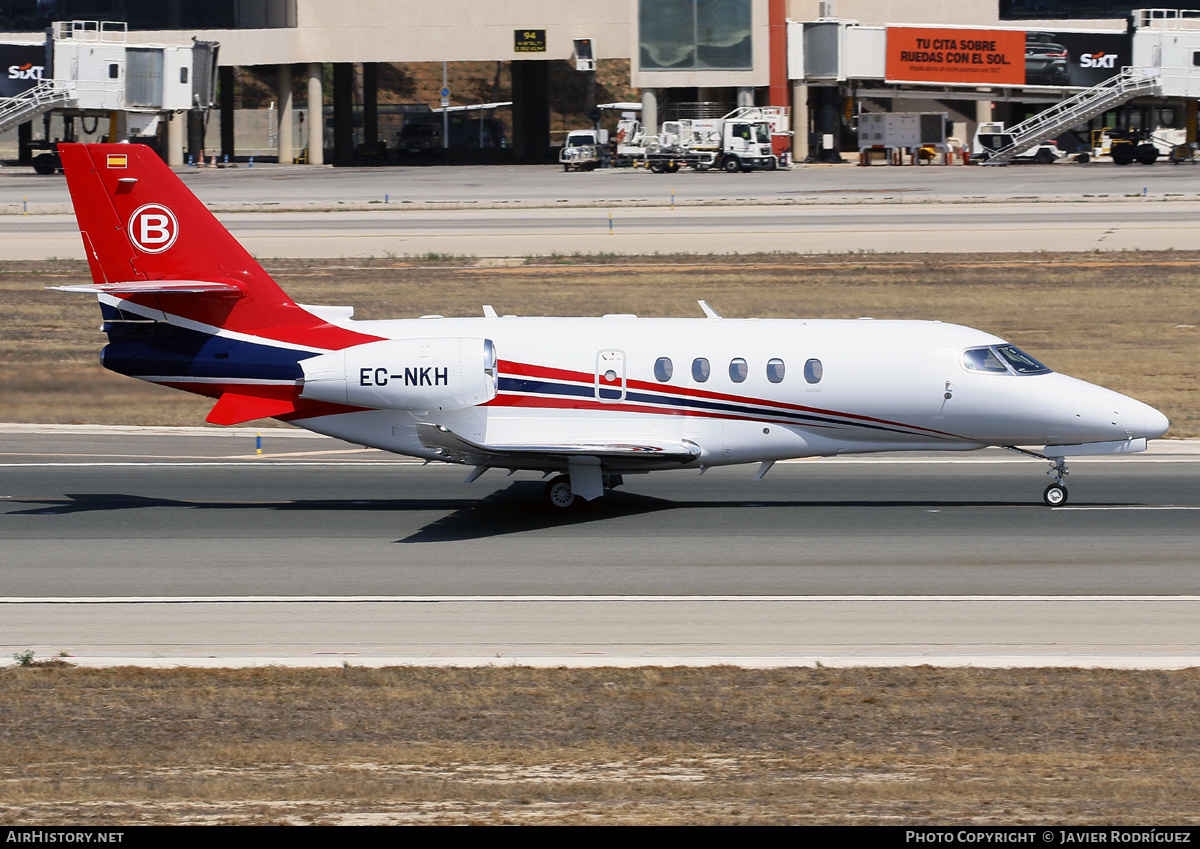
(525, 386)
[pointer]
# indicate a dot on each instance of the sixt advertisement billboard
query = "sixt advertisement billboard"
(1089, 57)
(1004, 57)
(22, 66)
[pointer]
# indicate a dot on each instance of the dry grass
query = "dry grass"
(1128, 321)
(648, 745)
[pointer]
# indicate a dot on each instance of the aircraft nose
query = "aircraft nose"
(1156, 423)
(1099, 414)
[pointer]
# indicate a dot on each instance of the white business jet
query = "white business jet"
(592, 399)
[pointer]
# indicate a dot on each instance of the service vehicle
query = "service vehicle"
(740, 141)
(991, 136)
(584, 150)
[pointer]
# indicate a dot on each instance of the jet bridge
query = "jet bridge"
(1081, 73)
(90, 68)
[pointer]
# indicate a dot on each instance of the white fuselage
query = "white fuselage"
(843, 386)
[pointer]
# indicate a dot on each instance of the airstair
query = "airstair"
(48, 94)
(1130, 83)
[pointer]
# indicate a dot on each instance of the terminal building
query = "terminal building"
(826, 62)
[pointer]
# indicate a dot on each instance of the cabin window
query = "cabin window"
(775, 370)
(114, 72)
(813, 371)
(700, 370)
(663, 369)
(738, 370)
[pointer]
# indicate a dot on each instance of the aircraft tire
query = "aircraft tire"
(558, 493)
(1055, 495)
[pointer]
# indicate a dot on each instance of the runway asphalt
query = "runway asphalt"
(186, 544)
(814, 229)
(539, 210)
(292, 186)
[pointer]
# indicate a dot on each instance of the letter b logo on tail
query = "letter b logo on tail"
(153, 228)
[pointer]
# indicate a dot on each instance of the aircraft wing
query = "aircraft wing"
(456, 449)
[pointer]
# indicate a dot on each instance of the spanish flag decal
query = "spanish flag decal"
(118, 160)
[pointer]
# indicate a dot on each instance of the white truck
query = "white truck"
(991, 136)
(584, 150)
(741, 141)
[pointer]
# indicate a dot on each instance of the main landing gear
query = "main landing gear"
(558, 493)
(559, 496)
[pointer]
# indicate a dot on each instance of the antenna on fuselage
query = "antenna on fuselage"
(708, 311)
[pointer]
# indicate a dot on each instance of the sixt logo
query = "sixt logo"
(1098, 60)
(153, 228)
(28, 71)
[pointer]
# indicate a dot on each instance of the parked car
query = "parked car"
(419, 139)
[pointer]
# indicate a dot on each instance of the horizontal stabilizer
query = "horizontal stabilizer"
(157, 287)
(234, 408)
(456, 449)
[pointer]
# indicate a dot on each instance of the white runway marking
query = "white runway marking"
(558, 599)
(1131, 507)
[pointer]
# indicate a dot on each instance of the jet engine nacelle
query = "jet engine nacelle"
(418, 375)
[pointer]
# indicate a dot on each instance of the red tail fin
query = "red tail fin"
(139, 222)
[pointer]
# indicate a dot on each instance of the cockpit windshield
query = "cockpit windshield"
(1020, 362)
(1002, 359)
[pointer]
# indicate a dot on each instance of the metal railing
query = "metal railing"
(107, 31)
(29, 104)
(1167, 19)
(1128, 84)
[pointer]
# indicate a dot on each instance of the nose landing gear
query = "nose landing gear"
(1056, 494)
